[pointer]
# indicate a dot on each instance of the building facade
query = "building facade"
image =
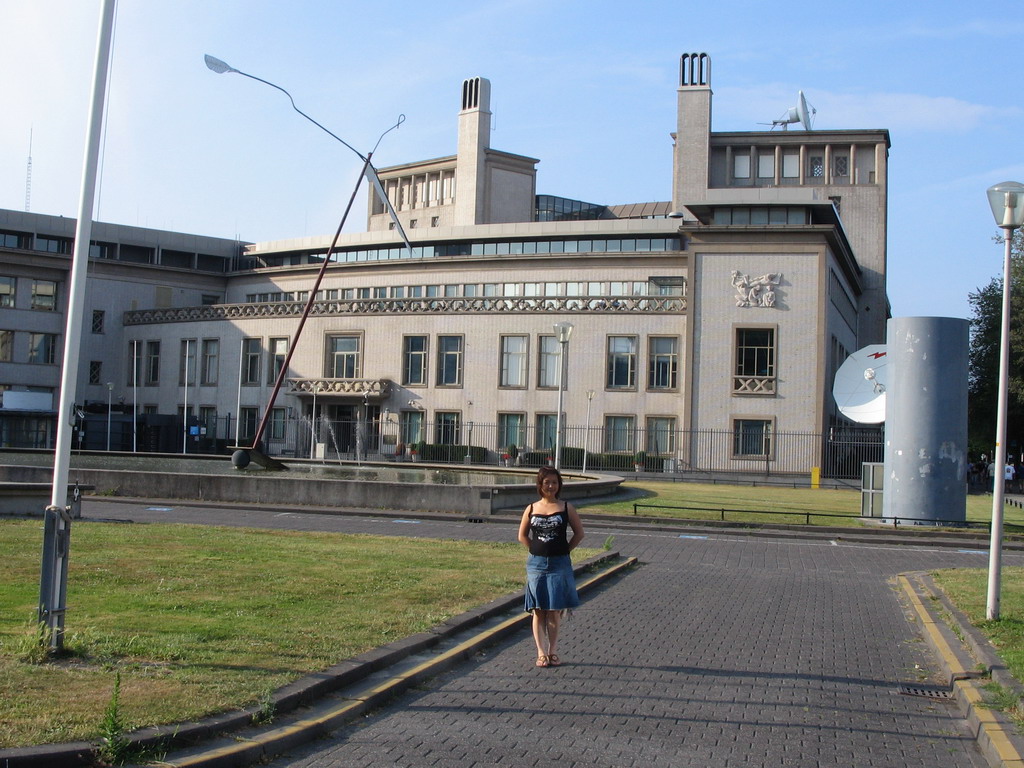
(706, 329)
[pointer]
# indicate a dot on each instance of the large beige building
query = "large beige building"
(706, 329)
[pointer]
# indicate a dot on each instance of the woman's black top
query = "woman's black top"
(548, 533)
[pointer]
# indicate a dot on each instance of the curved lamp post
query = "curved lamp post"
(1007, 201)
(241, 456)
(563, 331)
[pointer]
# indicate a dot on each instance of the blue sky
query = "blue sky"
(587, 87)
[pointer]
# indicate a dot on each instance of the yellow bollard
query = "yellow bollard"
(815, 477)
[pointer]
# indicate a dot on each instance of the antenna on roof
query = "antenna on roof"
(801, 113)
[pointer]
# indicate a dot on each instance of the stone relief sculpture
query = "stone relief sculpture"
(756, 292)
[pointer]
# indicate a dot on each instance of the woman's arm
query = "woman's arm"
(577, 526)
(524, 529)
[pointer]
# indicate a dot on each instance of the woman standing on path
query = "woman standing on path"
(550, 584)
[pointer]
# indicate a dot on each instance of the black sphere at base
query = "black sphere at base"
(240, 459)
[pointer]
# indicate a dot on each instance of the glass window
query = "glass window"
(449, 361)
(42, 348)
(6, 346)
(513, 361)
(766, 166)
(790, 165)
(414, 361)
(248, 417)
(663, 362)
(619, 433)
(755, 362)
(277, 423)
(7, 286)
(547, 428)
(661, 435)
(187, 363)
(344, 357)
(547, 364)
(210, 362)
(277, 353)
(621, 362)
(511, 431)
(251, 356)
(446, 428)
(410, 425)
(816, 166)
(152, 363)
(95, 371)
(741, 166)
(98, 317)
(44, 295)
(752, 437)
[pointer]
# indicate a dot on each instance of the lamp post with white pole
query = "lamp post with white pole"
(312, 423)
(110, 395)
(563, 331)
(586, 439)
(1007, 201)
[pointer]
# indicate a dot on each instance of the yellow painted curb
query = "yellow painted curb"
(967, 690)
(336, 715)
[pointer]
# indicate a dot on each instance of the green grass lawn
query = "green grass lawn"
(204, 619)
(797, 502)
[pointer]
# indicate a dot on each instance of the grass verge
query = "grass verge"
(197, 619)
(968, 588)
(792, 504)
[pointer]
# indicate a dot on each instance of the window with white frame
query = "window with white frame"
(410, 426)
(752, 438)
(621, 362)
(414, 361)
(755, 362)
(511, 430)
(513, 361)
(252, 353)
(343, 355)
(446, 427)
(660, 435)
(619, 434)
(276, 353)
(662, 362)
(210, 363)
(766, 165)
(741, 166)
(449, 361)
(152, 363)
(547, 362)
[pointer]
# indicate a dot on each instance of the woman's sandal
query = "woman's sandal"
(554, 661)
(543, 661)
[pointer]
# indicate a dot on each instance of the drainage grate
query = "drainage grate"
(927, 691)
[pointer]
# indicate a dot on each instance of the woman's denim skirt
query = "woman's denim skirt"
(550, 583)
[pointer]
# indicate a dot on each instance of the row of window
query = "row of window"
(503, 248)
(42, 348)
(653, 286)
(43, 295)
(199, 360)
(137, 254)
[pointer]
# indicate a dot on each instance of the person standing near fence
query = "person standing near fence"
(550, 583)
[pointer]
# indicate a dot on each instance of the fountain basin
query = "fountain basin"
(465, 489)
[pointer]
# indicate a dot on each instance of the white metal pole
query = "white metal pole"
(561, 390)
(135, 395)
(80, 263)
(110, 396)
(238, 405)
(996, 536)
(184, 411)
(312, 424)
(586, 438)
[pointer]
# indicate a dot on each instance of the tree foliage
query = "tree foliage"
(983, 377)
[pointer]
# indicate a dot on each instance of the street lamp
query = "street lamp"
(563, 331)
(110, 395)
(586, 439)
(1007, 201)
(312, 423)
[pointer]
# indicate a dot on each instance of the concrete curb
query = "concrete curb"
(997, 737)
(308, 690)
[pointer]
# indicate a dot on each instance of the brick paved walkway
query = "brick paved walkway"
(717, 651)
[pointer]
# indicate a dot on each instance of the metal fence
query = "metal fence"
(837, 453)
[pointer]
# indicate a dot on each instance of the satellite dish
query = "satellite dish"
(860, 384)
(801, 113)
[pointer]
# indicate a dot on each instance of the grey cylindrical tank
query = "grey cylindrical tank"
(926, 419)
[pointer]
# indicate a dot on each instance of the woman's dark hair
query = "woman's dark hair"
(545, 472)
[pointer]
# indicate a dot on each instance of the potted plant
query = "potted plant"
(512, 455)
(414, 452)
(638, 461)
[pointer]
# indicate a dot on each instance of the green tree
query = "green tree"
(983, 377)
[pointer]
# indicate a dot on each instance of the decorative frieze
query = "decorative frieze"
(755, 292)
